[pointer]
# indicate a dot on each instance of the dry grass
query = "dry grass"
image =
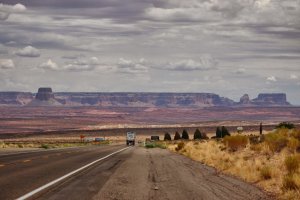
(263, 164)
(236, 142)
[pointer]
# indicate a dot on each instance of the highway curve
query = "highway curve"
(135, 173)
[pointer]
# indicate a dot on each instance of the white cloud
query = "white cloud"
(293, 77)
(49, 65)
(6, 64)
(19, 8)
(6, 10)
(82, 64)
(129, 66)
(204, 63)
(28, 51)
(79, 64)
(272, 78)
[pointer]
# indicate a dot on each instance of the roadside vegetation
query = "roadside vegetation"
(48, 145)
(271, 161)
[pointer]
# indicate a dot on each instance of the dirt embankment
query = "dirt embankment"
(160, 174)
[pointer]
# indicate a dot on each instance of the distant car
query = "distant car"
(99, 139)
(89, 139)
(154, 137)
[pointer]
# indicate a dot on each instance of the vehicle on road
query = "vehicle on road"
(99, 139)
(154, 138)
(130, 138)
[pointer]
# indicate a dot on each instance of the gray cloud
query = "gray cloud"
(28, 51)
(7, 64)
(132, 67)
(6, 10)
(251, 40)
(204, 63)
(50, 65)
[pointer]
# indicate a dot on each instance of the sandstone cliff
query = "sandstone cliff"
(45, 97)
(265, 99)
(143, 99)
(15, 98)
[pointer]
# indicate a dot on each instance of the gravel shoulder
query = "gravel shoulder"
(161, 174)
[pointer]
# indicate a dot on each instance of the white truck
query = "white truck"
(130, 138)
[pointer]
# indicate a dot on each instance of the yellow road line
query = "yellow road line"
(2, 165)
(24, 161)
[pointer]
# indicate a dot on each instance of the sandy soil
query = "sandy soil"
(160, 174)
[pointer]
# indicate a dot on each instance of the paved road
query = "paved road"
(135, 173)
(21, 173)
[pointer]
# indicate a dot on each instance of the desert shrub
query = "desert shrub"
(20, 145)
(265, 172)
(204, 136)
(275, 141)
(218, 132)
(256, 147)
(296, 134)
(222, 132)
(2, 145)
(161, 145)
(180, 146)
(236, 142)
(254, 139)
(149, 145)
(293, 144)
(167, 136)
(185, 135)
(225, 131)
(197, 135)
(177, 136)
(287, 125)
(45, 146)
(292, 163)
(289, 183)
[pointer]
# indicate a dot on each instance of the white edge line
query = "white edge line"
(66, 176)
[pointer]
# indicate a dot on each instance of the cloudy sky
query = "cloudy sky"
(229, 47)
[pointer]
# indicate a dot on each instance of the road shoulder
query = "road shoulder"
(161, 174)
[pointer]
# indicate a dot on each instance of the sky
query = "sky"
(228, 47)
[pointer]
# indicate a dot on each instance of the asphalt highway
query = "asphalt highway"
(21, 173)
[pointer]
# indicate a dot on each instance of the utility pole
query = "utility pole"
(260, 128)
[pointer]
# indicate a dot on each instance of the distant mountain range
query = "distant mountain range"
(45, 97)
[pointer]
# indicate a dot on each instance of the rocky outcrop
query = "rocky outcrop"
(271, 99)
(245, 99)
(143, 99)
(15, 98)
(265, 99)
(44, 97)
(44, 94)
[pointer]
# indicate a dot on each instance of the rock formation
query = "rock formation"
(245, 99)
(45, 97)
(271, 99)
(144, 99)
(15, 98)
(44, 94)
